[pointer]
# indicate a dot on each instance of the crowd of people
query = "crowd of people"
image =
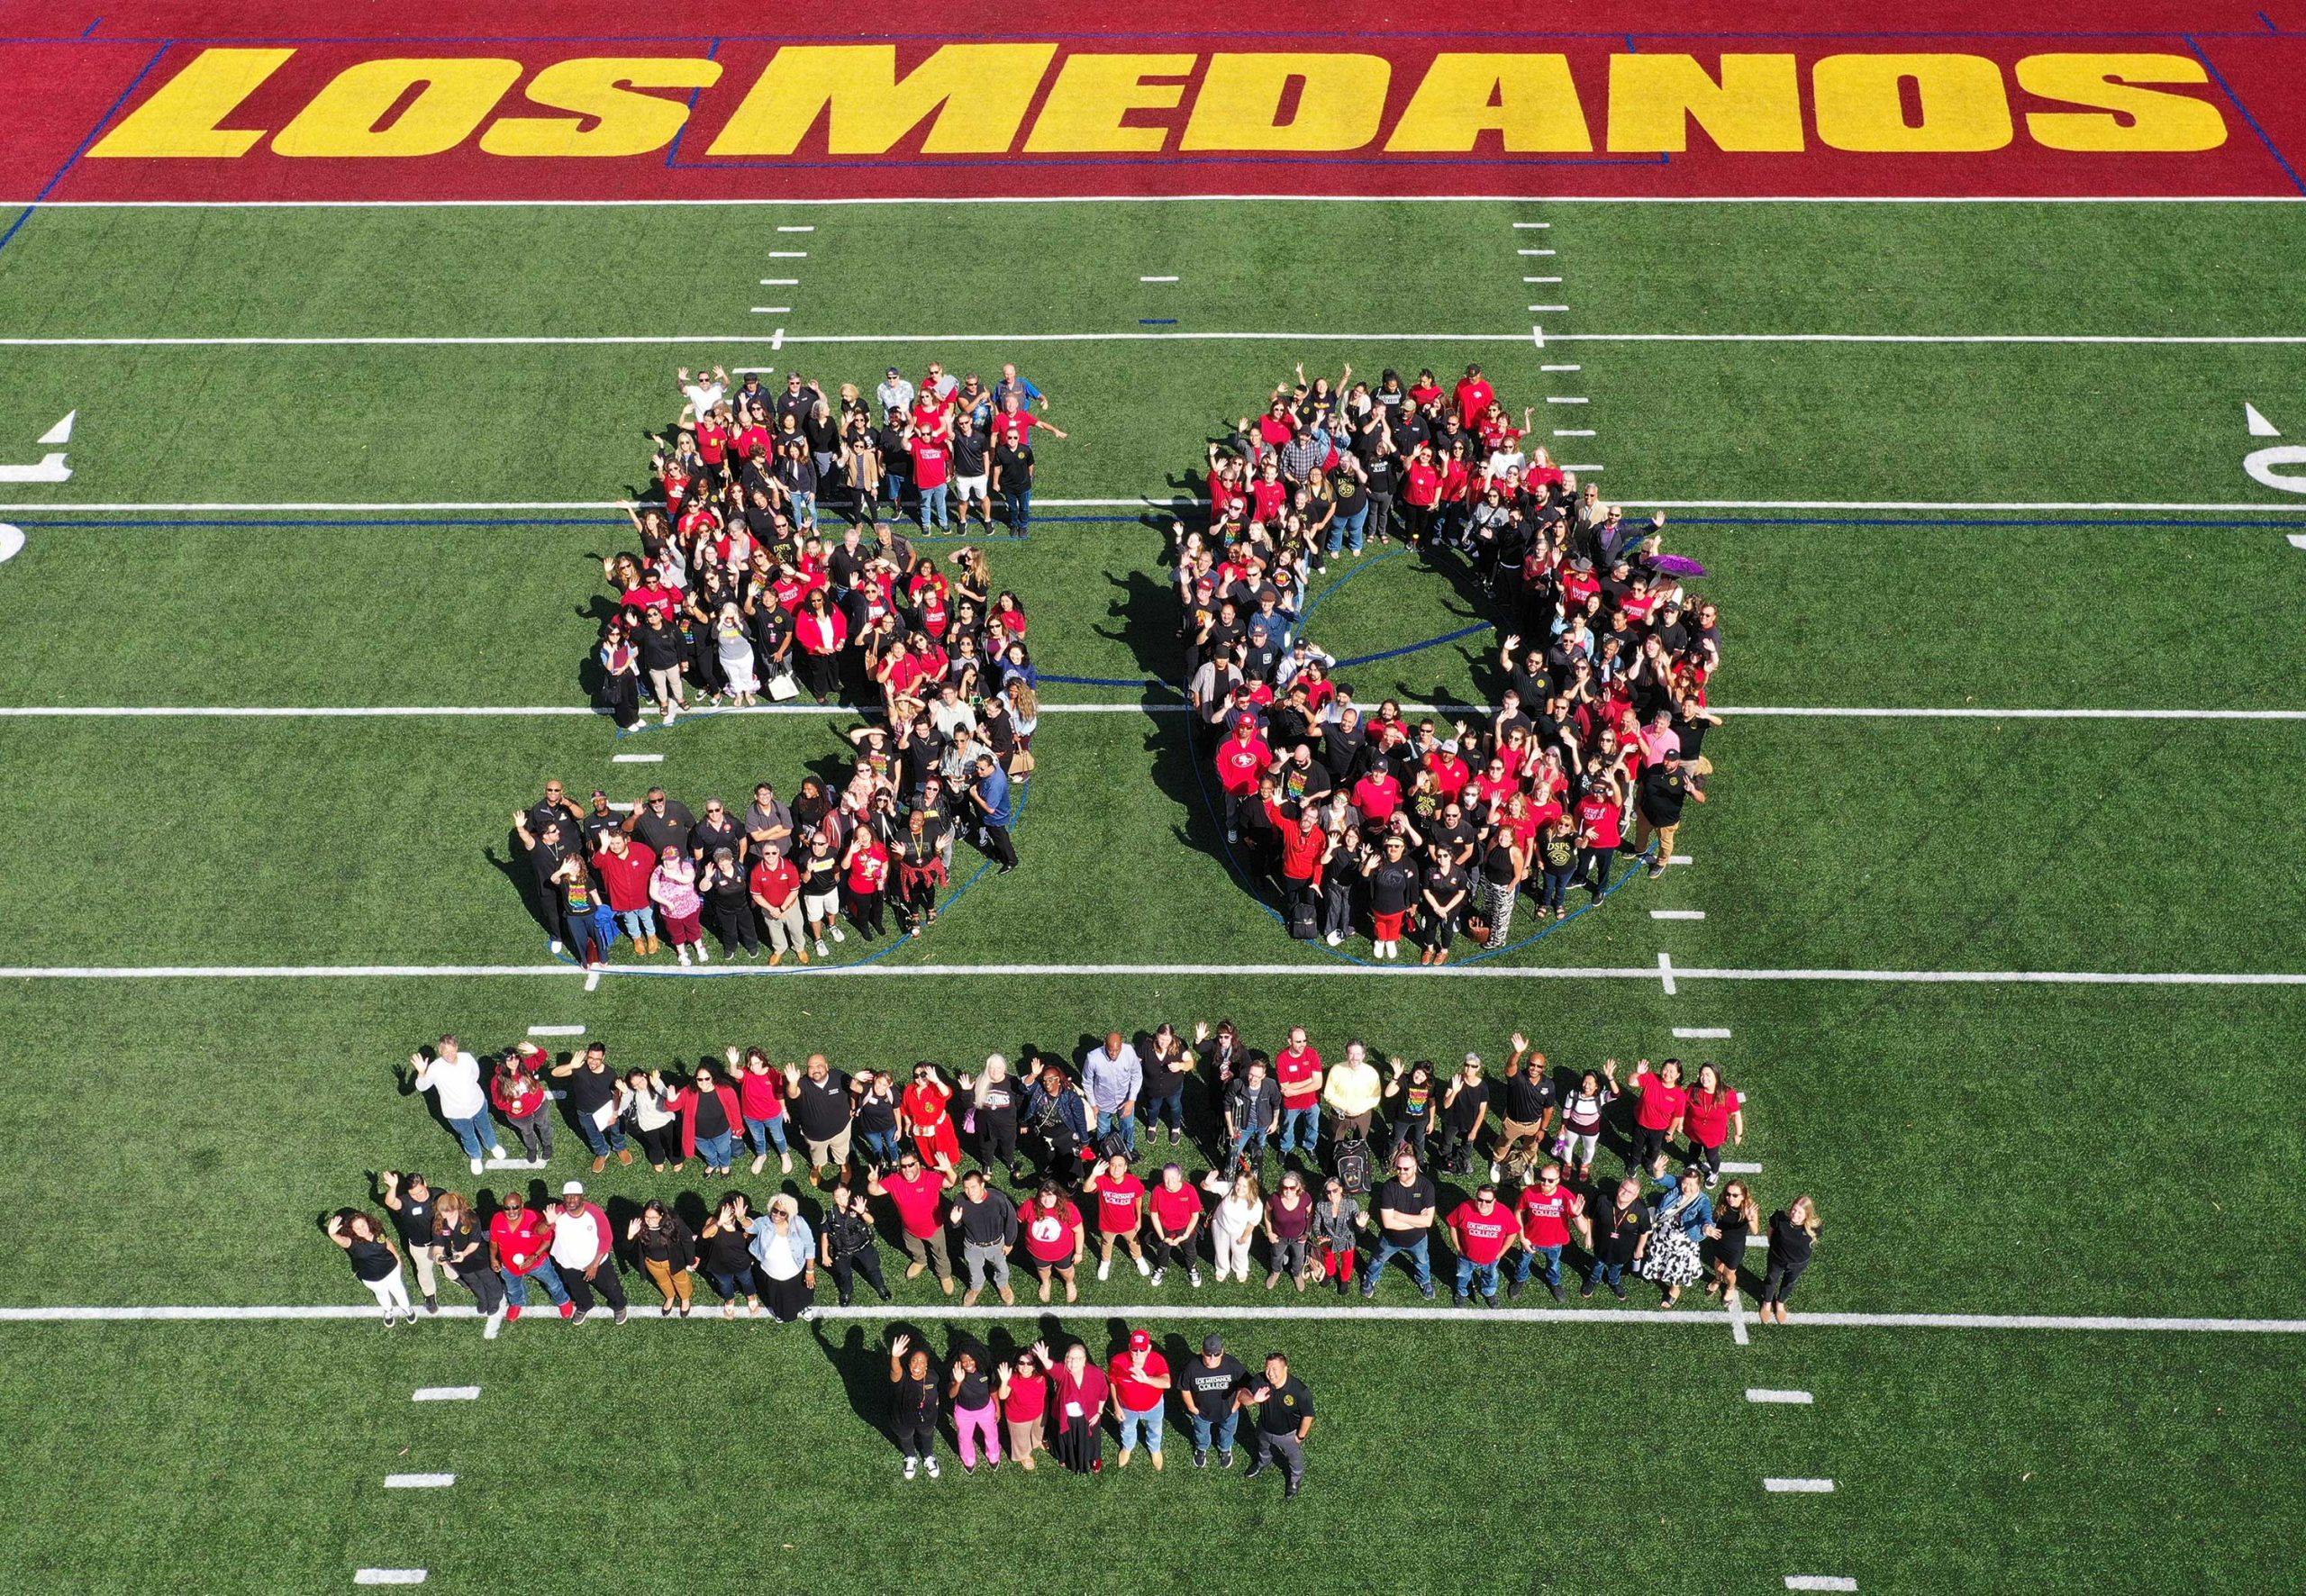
(1433, 828)
(874, 848)
(1035, 1172)
(764, 567)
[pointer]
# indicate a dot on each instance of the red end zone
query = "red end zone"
(162, 104)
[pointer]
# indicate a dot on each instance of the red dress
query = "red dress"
(933, 1134)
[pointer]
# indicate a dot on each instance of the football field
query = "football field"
(1995, 914)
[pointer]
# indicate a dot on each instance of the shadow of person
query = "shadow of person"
(864, 1371)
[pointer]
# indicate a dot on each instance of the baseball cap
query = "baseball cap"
(1211, 1344)
(573, 1189)
(1138, 1341)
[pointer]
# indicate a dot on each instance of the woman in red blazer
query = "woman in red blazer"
(1077, 1393)
(710, 1118)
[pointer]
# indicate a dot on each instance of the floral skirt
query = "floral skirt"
(1671, 1259)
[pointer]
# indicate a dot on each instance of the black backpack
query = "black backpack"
(1351, 1163)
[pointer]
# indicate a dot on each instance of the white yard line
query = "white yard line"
(388, 1576)
(1818, 1581)
(422, 341)
(578, 1030)
(1734, 1166)
(811, 229)
(447, 1393)
(555, 711)
(1665, 973)
(1802, 1487)
(1145, 501)
(636, 758)
(419, 1481)
(1762, 1393)
(1738, 1331)
(1677, 914)
(1168, 279)
(1687, 1033)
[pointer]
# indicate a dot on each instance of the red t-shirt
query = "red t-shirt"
(1173, 1211)
(1546, 1215)
(1377, 797)
(1474, 396)
(924, 1105)
(1709, 1116)
(1135, 1394)
(627, 878)
(1597, 816)
(523, 1247)
(1013, 430)
(1482, 1237)
(931, 462)
(1240, 761)
(1450, 774)
(1661, 1105)
(761, 1094)
(1117, 1202)
(1424, 485)
(1028, 1398)
(1293, 1069)
(1051, 1232)
(920, 1201)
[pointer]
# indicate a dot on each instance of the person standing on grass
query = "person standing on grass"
(1547, 1209)
(1392, 882)
(877, 1117)
(1173, 1211)
(1078, 1392)
(668, 1251)
(408, 1199)
(1141, 1381)
(925, 1114)
(1288, 1223)
(1165, 1063)
(583, 1250)
(1792, 1240)
(1599, 833)
(672, 887)
(1012, 480)
(976, 1426)
(912, 1419)
(1297, 1073)
(1680, 1215)
(1024, 1393)
(1120, 1213)
(1581, 1120)
(375, 1261)
(520, 1246)
(1352, 1089)
(1713, 1116)
(1337, 1219)
(1736, 1218)
(1526, 1114)
(1113, 1075)
(460, 1242)
(724, 1254)
(1401, 1211)
(988, 1221)
(918, 1194)
(1620, 1237)
(1058, 1111)
(786, 1252)
(1664, 788)
(760, 1099)
(1482, 1231)
(994, 1099)
(1659, 1108)
(1557, 856)
(1285, 1418)
(848, 1247)
(989, 794)
(1465, 1110)
(593, 1092)
(1055, 1240)
(453, 1077)
(776, 893)
(1418, 1090)
(710, 1115)
(624, 867)
(822, 1100)
(1209, 1385)
(1234, 1219)
(1252, 1111)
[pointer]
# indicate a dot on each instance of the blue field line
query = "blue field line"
(2262, 16)
(50, 186)
(897, 943)
(1448, 637)
(1306, 618)
(1156, 320)
(2227, 90)
(673, 150)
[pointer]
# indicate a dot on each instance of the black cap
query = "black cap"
(1212, 1345)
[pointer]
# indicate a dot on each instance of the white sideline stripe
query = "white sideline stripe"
(399, 711)
(388, 1576)
(1818, 1581)
(1557, 399)
(1151, 501)
(1132, 199)
(1763, 1393)
(1665, 970)
(2088, 1323)
(419, 1481)
(810, 228)
(1561, 369)
(1799, 1486)
(636, 758)
(1677, 914)
(1730, 1166)
(446, 1393)
(1156, 279)
(1687, 1033)
(578, 1030)
(1573, 431)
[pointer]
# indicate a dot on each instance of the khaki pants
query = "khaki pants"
(674, 1282)
(932, 1250)
(1510, 1151)
(822, 1153)
(1025, 1437)
(1643, 830)
(785, 931)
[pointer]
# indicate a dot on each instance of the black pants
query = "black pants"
(605, 1280)
(1594, 868)
(624, 695)
(996, 1141)
(865, 911)
(1417, 523)
(663, 1144)
(1381, 517)
(732, 922)
(998, 847)
(1411, 1134)
(916, 1440)
(1649, 1145)
(822, 673)
(1451, 1138)
(1337, 907)
(487, 1289)
(1163, 1252)
(1778, 1281)
(867, 1264)
(1708, 1159)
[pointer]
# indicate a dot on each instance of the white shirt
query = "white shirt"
(456, 1084)
(703, 394)
(576, 1238)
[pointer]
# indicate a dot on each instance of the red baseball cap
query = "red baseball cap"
(1138, 1341)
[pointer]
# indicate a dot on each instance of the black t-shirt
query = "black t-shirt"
(974, 1391)
(1472, 1098)
(877, 1112)
(726, 1251)
(1528, 1096)
(968, 454)
(1016, 465)
(992, 1221)
(922, 758)
(1663, 789)
(1341, 750)
(706, 837)
(1392, 884)
(916, 1403)
(1393, 1198)
(1161, 1081)
(669, 829)
(588, 1089)
(711, 1119)
(1790, 1244)
(845, 564)
(822, 1110)
(1453, 840)
(670, 1242)
(413, 1221)
(1212, 1389)
(1289, 1406)
(1617, 1231)
(372, 1260)
(1444, 887)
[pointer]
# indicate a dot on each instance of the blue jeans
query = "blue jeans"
(476, 1133)
(1252, 1137)
(1420, 1263)
(637, 923)
(1296, 1121)
(1552, 1257)
(731, 1286)
(1157, 1109)
(1612, 1275)
(717, 1151)
(1149, 1421)
(760, 1133)
(1110, 1120)
(892, 483)
(1018, 505)
(601, 1142)
(1207, 1431)
(882, 1146)
(1470, 1274)
(1351, 526)
(516, 1286)
(932, 505)
(805, 508)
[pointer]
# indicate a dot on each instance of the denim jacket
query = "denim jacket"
(1693, 1219)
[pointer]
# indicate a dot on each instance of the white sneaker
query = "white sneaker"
(760, 1163)
(557, 946)
(1494, 1172)
(496, 1152)
(704, 953)
(478, 1166)
(930, 1465)
(910, 1468)
(1158, 1275)
(1104, 1269)
(1194, 1276)
(822, 949)
(839, 935)
(1335, 937)
(1144, 1268)
(683, 953)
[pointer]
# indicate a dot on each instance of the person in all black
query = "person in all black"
(721, 884)
(1209, 1385)
(994, 1098)
(1792, 1238)
(1285, 1418)
(1464, 1109)
(846, 1245)
(914, 1415)
(1620, 1236)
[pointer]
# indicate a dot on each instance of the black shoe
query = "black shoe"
(1584, 1291)
(1460, 1299)
(1426, 1292)
(1004, 869)
(1512, 1289)
(885, 1295)
(1200, 1458)
(1225, 1458)
(844, 1302)
(1619, 1289)
(1294, 1488)
(1490, 1300)
(431, 1303)
(1254, 1470)
(1559, 1295)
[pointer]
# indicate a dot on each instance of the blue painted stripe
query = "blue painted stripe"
(101, 122)
(2227, 89)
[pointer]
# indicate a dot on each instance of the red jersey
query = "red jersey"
(1268, 497)
(1050, 1233)
(1117, 1202)
(1302, 851)
(1577, 587)
(1708, 1115)
(868, 867)
(1173, 1211)
(1546, 1215)
(1482, 1237)
(925, 1106)
(1240, 761)
(1474, 396)
(1136, 1395)
(1294, 1070)
(1597, 817)
(920, 1201)
(1661, 1105)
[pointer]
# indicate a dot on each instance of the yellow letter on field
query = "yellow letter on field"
(1340, 100)
(978, 92)
(1531, 99)
(2157, 121)
(1092, 93)
(457, 93)
(181, 116)
(1963, 106)
(1757, 105)
(600, 89)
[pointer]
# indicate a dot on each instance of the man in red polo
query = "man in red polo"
(1297, 1071)
(624, 867)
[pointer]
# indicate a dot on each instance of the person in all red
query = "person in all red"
(1548, 1209)
(932, 470)
(1474, 396)
(1055, 1240)
(517, 1088)
(1077, 1393)
(1426, 389)
(1712, 1115)
(925, 1112)
(710, 1119)
(1242, 758)
(1657, 1116)
(1297, 1071)
(1120, 1213)
(1305, 848)
(624, 867)
(1421, 496)
(1600, 829)
(1140, 1382)
(918, 1195)
(1014, 423)
(1377, 794)
(1482, 1231)
(520, 1246)
(1176, 1207)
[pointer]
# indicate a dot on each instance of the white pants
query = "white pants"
(391, 1291)
(1232, 1253)
(1581, 1148)
(820, 910)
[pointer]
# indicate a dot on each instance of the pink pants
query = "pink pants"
(968, 1424)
